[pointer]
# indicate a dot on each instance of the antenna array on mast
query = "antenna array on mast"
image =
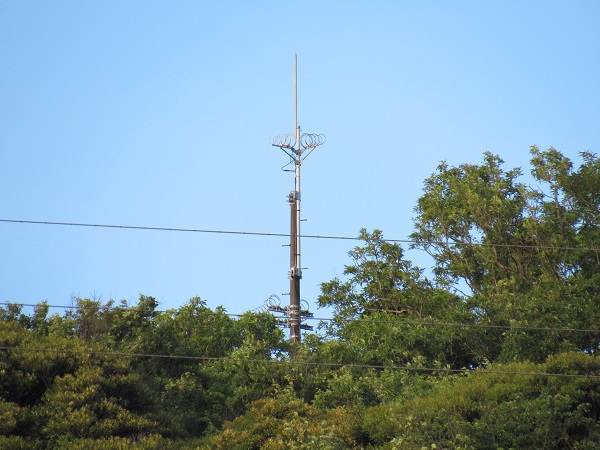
(297, 146)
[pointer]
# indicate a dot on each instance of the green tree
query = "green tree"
(95, 401)
(472, 220)
(282, 423)
(522, 405)
(390, 314)
(528, 257)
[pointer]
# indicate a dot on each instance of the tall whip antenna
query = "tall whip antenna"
(296, 95)
(297, 146)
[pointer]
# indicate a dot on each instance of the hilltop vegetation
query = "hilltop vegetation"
(496, 349)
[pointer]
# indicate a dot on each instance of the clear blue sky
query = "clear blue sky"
(159, 114)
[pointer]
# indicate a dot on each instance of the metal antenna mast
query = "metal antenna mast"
(297, 146)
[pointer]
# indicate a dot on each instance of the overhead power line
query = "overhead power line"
(99, 308)
(134, 227)
(308, 236)
(296, 362)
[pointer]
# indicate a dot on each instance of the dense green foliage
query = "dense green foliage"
(497, 349)
(64, 379)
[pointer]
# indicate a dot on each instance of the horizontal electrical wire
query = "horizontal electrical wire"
(187, 230)
(469, 325)
(294, 362)
(100, 308)
(329, 319)
(308, 236)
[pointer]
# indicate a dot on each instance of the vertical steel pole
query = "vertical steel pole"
(295, 270)
(294, 279)
(298, 151)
